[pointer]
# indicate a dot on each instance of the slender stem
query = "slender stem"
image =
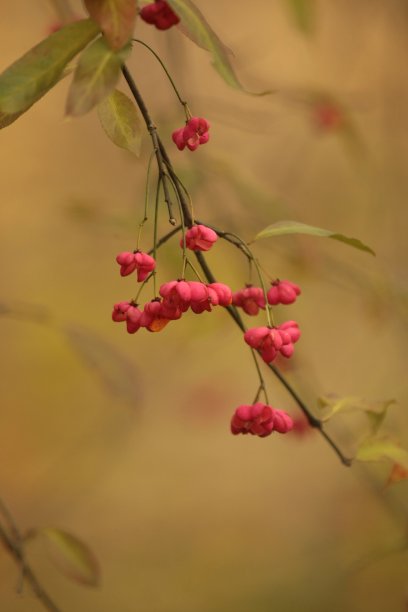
(165, 238)
(156, 210)
(232, 311)
(153, 134)
(12, 543)
(146, 202)
(183, 102)
(262, 386)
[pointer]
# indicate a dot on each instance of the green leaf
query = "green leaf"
(30, 77)
(96, 75)
(281, 228)
(71, 556)
(116, 19)
(376, 411)
(197, 28)
(378, 449)
(121, 121)
(303, 14)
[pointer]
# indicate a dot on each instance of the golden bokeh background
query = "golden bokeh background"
(124, 440)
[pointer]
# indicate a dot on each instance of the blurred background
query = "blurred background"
(124, 440)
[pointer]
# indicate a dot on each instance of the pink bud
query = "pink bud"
(283, 292)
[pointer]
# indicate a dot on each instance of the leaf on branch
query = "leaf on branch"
(30, 77)
(121, 121)
(71, 556)
(330, 405)
(196, 27)
(303, 14)
(96, 75)
(281, 228)
(116, 18)
(116, 372)
(378, 449)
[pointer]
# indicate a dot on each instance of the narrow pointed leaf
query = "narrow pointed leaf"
(30, 77)
(378, 449)
(96, 75)
(116, 19)
(71, 556)
(117, 373)
(330, 405)
(121, 121)
(196, 27)
(303, 14)
(282, 228)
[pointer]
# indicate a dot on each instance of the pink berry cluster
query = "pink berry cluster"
(176, 296)
(270, 341)
(159, 14)
(260, 420)
(252, 299)
(194, 134)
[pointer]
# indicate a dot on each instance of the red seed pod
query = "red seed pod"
(159, 14)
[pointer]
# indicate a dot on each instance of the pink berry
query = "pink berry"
(159, 14)
(283, 292)
(260, 420)
(250, 299)
(194, 134)
(199, 238)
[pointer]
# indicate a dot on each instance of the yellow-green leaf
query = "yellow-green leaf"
(96, 75)
(281, 228)
(303, 14)
(116, 19)
(198, 29)
(121, 121)
(31, 76)
(71, 556)
(330, 405)
(378, 449)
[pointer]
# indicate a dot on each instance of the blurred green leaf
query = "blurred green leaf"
(116, 372)
(30, 77)
(116, 19)
(71, 556)
(378, 449)
(376, 411)
(196, 27)
(121, 121)
(303, 14)
(281, 228)
(96, 75)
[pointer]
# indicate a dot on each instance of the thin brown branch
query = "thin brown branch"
(12, 542)
(163, 158)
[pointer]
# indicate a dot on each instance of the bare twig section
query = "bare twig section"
(13, 542)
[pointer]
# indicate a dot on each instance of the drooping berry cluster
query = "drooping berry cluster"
(194, 134)
(159, 14)
(252, 299)
(176, 296)
(260, 420)
(270, 341)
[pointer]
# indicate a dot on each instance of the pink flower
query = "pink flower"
(221, 292)
(129, 312)
(195, 133)
(199, 238)
(159, 14)
(283, 292)
(250, 299)
(269, 341)
(142, 262)
(260, 420)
